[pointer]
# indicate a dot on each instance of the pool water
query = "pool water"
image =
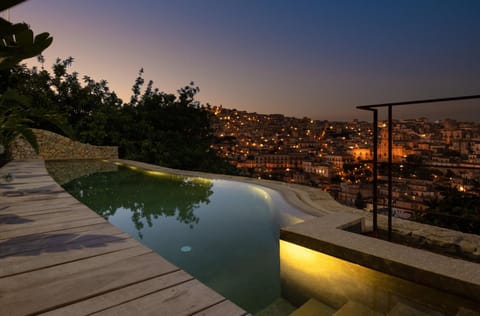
(224, 233)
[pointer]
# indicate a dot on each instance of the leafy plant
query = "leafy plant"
(13, 123)
(17, 41)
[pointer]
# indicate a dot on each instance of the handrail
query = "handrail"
(374, 108)
(381, 105)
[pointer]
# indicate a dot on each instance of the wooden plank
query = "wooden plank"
(35, 197)
(31, 187)
(114, 298)
(64, 253)
(183, 299)
(41, 178)
(73, 209)
(51, 228)
(17, 222)
(22, 244)
(69, 283)
(225, 308)
(28, 238)
(65, 199)
(35, 218)
(39, 207)
(43, 209)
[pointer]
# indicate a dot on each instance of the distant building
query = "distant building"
(272, 161)
(362, 153)
(316, 168)
(398, 152)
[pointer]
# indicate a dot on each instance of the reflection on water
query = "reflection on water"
(65, 171)
(144, 197)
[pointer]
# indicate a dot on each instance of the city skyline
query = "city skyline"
(305, 58)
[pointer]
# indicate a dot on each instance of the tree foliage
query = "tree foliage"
(12, 122)
(172, 130)
(455, 210)
(17, 42)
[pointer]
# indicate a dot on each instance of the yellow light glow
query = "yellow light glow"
(311, 263)
(306, 274)
(155, 173)
(261, 192)
(201, 180)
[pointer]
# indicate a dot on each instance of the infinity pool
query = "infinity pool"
(224, 233)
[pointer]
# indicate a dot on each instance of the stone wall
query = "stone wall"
(441, 240)
(53, 146)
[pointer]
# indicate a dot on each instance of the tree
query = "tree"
(12, 123)
(173, 130)
(456, 210)
(170, 130)
(87, 109)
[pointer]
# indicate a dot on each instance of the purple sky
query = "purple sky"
(312, 58)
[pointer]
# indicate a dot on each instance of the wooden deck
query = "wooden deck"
(58, 257)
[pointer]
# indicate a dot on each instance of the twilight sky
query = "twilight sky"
(314, 58)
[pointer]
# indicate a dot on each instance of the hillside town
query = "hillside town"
(429, 156)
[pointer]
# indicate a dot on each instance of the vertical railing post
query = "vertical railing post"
(374, 170)
(390, 162)
(374, 108)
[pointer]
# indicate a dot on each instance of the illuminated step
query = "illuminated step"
(401, 309)
(313, 308)
(355, 309)
(467, 312)
(279, 307)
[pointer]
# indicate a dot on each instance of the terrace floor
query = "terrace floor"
(58, 257)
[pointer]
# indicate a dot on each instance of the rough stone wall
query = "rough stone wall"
(437, 239)
(53, 146)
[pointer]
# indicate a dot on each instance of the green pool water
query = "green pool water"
(224, 233)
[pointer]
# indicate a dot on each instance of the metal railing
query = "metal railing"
(374, 108)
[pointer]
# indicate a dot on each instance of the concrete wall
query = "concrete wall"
(56, 147)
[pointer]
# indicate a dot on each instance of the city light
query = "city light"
(325, 154)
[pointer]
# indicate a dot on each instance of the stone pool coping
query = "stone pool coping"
(310, 200)
(316, 202)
